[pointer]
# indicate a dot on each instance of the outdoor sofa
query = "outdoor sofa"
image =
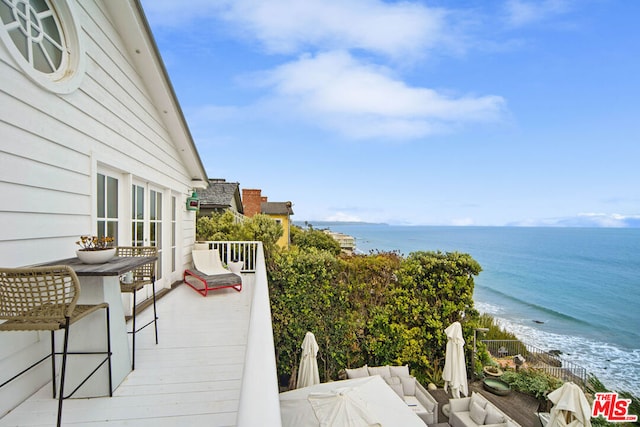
(405, 386)
(475, 411)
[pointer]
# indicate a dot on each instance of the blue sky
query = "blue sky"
(415, 112)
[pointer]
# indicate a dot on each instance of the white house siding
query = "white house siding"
(51, 148)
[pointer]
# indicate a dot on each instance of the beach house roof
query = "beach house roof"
(221, 194)
(276, 208)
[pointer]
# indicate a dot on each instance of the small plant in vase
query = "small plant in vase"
(95, 243)
(95, 250)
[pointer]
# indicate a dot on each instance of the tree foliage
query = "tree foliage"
(312, 238)
(223, 227)
(218, 227)
(370, 309)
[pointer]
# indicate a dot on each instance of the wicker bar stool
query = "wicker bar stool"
(142, 276)
(45, 299)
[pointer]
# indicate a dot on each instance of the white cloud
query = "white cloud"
(462, 221)
(292, 26)
(585, 220)
(342, 217)
(364, 101)
(521, 12)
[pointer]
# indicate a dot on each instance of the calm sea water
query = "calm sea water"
(582, 283)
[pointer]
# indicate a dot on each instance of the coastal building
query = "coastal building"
(254, 202)
(220, 196)
(94, 142)
(347, 243)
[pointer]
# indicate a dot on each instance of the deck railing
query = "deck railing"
(237, 250)
(259, 399)
(546, 361)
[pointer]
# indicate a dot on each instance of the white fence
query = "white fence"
(237, 251)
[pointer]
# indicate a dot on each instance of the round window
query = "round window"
(41, 35)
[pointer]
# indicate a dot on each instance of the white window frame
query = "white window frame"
(69, 73)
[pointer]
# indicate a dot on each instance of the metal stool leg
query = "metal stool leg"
(109, 352)
(155, 313)
(133, 331)
(64, 370)
(53, 363)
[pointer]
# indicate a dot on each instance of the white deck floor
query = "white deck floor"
(191, 378)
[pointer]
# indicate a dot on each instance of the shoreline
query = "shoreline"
(574, 351)
(587, 337)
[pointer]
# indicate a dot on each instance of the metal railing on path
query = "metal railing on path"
(536, 358)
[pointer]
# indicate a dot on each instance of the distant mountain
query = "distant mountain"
(319, 224)
(584, 220)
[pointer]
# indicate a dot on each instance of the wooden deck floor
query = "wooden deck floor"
(191, 378)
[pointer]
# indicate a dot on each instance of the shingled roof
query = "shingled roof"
(220, 195)
(276, 208)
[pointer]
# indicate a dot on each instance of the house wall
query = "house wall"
(284, 240)
(51, 148)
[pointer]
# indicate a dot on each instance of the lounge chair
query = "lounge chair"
(208, 273)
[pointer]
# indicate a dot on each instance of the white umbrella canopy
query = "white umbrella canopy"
(367, 401)
(454, 373)
(308, 371)
(570, 408)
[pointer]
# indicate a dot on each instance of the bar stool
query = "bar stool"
(142, 276)
(45, 299)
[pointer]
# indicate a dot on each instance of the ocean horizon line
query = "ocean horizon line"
(315, 223)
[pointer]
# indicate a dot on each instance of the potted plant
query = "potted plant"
(235, 265)
(492, 371)
(95, 250)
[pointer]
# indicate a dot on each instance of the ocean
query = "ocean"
(576, 290)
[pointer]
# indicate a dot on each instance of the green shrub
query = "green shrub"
(311, 238)
(532, 381)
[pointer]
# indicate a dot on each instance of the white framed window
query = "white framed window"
(107, 206)
(44, 39)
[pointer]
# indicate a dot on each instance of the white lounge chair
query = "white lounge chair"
(209, 274)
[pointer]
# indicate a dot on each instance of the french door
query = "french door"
(146, 221)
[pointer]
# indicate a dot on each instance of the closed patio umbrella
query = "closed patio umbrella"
(455, 372)
(570, 408)
(308, 371)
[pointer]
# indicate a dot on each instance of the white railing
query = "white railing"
(259, 395)
(237, 216)
(237, 251)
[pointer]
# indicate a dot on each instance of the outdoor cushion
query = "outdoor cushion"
(429, 403)
(398, 389)
(383, 371)
(393, 380)
(477, 413)
(415, 404)
(408, 385)
(511, 423)
(399, 371)
(358, 372)
(479, 399)
(494, 416)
